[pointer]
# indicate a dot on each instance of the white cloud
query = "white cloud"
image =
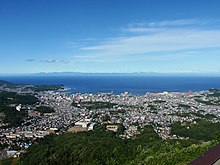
(179, 22)
(142, 29)
(172, 23)
(154, 41)
(169, 40)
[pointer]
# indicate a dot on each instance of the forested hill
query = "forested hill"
(36, 88)
(103, 147)
(9, 115)
(2, 82)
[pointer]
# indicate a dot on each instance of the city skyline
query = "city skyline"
(109, 36)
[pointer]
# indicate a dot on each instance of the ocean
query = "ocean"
(138, 85)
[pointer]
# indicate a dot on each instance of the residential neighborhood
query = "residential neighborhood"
(74, 112)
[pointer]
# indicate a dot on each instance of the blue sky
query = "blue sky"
(110, 36)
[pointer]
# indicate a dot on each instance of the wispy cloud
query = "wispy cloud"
(172, 23)
(78, 43)
(49, 61)
(157, 26)
(157, 37)
(179, 22)
(142, 29)
(62, 61)
(30, 60)
(170, 40)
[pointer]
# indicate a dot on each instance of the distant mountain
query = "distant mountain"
(90, 74)
(2, 82)
(36, 88)
(124, 74)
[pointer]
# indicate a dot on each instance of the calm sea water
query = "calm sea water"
(117, 84)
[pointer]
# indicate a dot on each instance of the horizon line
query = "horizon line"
(92, 73)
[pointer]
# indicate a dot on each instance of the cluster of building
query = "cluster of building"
(157, 109)
(134, 112)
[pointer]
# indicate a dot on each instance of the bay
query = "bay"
(138, 85)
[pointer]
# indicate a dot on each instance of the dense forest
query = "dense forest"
(8, 101)
(201, 130)
(105, 147)
(36, 88)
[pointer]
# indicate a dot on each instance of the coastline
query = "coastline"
(136, 85)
